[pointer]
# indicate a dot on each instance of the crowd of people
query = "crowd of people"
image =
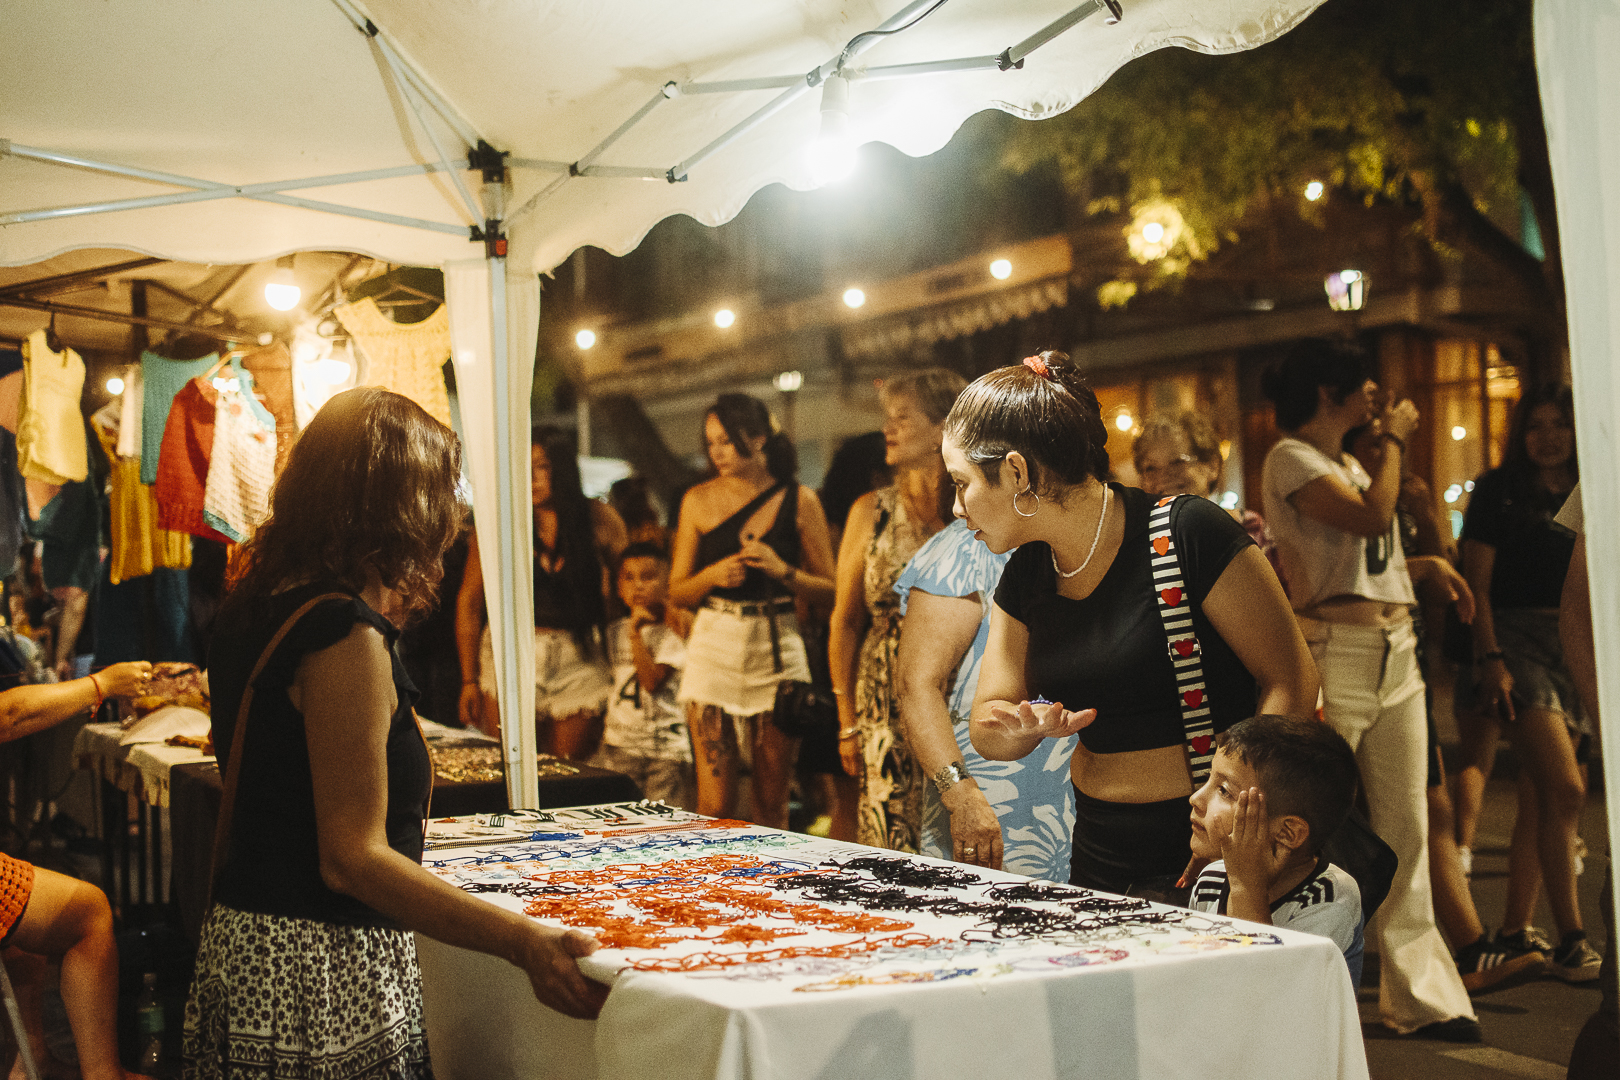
(1035, 667)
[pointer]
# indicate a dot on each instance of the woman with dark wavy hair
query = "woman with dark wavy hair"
(307, 966)
(749, 542)
(1516, 556)
(575, 540)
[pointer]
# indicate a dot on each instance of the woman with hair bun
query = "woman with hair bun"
(1089, 635)
(885, 529)
(748, 542)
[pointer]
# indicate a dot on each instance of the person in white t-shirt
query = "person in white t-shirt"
(644, 734)
(1335, 530)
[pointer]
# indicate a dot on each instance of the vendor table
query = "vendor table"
(741, 953)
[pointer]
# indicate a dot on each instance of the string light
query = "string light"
(854, 298)
(1001, 269)
(724, 318)
(585, 339)
(115, 386)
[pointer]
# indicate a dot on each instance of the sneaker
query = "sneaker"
(1574, 960)
(1459, 1029)
(1529, 938)
(1486, 962)
(1466, 857)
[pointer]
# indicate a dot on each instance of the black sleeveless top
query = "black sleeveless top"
(273, 863)
(556, 605)
(1108, 651)
(782, 537)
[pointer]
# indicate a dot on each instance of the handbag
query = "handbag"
(805, 709)
(1354, 847)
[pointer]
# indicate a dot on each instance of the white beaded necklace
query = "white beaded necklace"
(1102, 517)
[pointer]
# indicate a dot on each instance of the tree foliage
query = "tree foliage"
(1433, 104)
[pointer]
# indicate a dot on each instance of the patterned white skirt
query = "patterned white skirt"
(277, 998)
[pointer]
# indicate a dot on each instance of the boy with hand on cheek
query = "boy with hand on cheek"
(1277, 789)
(644, 735)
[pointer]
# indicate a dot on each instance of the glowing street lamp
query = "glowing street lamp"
(1346, 290)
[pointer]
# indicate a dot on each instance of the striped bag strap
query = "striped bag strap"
(1186, 654)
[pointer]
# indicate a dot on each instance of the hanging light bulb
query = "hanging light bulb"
(281, 291)
(833, 153)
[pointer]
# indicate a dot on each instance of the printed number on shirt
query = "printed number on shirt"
(631, 691)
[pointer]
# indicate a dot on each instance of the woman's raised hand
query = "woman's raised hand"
(728, 573)
(1401, 419)
(759, 554)
(125, 680)
(1038, 719)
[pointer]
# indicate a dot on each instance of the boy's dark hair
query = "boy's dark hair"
(1305, 768)
(641, 549)
(1315, 362)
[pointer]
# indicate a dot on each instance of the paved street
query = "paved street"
(1529, 1026)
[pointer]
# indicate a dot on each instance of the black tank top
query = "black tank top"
(725, 539)
(273, 864)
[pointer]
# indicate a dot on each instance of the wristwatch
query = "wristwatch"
(949, 776)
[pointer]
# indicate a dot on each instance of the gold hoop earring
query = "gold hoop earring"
(1032, 513)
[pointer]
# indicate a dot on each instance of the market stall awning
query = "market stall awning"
(494, 137)
(287, 109)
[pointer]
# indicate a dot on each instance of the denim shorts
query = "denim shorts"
(1534, 654)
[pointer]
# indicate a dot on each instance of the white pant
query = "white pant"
(1372, 693)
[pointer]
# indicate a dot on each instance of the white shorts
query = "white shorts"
(728, 660)
(565, 682)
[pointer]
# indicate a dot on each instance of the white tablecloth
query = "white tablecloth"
(139, 768)
(1154, 993)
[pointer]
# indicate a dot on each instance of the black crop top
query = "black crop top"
(273, 864)
(1108, 651)
(1532, 553)
(782, 537)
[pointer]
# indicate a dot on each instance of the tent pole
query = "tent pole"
(468, 133)
(407, 90)
(522, 764)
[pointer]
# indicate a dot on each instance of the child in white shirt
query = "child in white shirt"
(644, 735)
(1277, 789)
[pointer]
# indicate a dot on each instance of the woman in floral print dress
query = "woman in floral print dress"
(886, 527)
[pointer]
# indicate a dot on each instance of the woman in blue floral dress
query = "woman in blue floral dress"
(1009, 815)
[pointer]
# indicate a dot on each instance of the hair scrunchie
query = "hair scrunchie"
(1039, 366)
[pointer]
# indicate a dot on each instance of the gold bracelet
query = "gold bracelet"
(949, 776)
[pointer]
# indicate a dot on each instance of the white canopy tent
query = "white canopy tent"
(1576, 42)
(239, 130)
